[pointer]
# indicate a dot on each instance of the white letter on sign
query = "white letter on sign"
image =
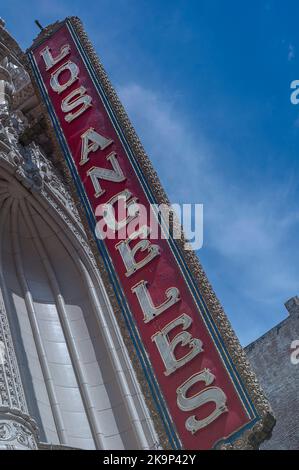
(49, 60)
(145, 301)
(128, 254)
(167, 348)
(210, 394)
(74, 72)
(91, 141)
(116, 175)
(73, 100)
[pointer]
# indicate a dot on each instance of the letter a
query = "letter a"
(91, 141)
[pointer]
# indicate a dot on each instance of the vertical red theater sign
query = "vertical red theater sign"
(199, 383)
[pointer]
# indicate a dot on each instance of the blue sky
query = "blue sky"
(207, 86)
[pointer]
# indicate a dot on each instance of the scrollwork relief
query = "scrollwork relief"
(16, 434)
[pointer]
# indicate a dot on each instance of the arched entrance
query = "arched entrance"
(78, 384)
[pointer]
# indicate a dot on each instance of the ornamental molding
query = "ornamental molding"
(17, 431)
(30, 166)
(11, 390)
(38, 175)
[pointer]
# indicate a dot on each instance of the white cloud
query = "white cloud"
(168, 140)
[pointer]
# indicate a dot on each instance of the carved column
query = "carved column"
(17, 429)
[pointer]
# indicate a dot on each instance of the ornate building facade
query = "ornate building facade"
(65, 376)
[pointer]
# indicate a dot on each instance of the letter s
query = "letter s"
(209, 394)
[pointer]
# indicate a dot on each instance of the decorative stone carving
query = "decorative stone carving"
(17, 429)
(29, 163)
(11, 390)
(15, 435)
(19, 76)
(32, 170)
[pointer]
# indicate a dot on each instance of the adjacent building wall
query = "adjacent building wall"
(270, 356)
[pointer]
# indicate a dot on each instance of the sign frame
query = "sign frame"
(262, 422)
